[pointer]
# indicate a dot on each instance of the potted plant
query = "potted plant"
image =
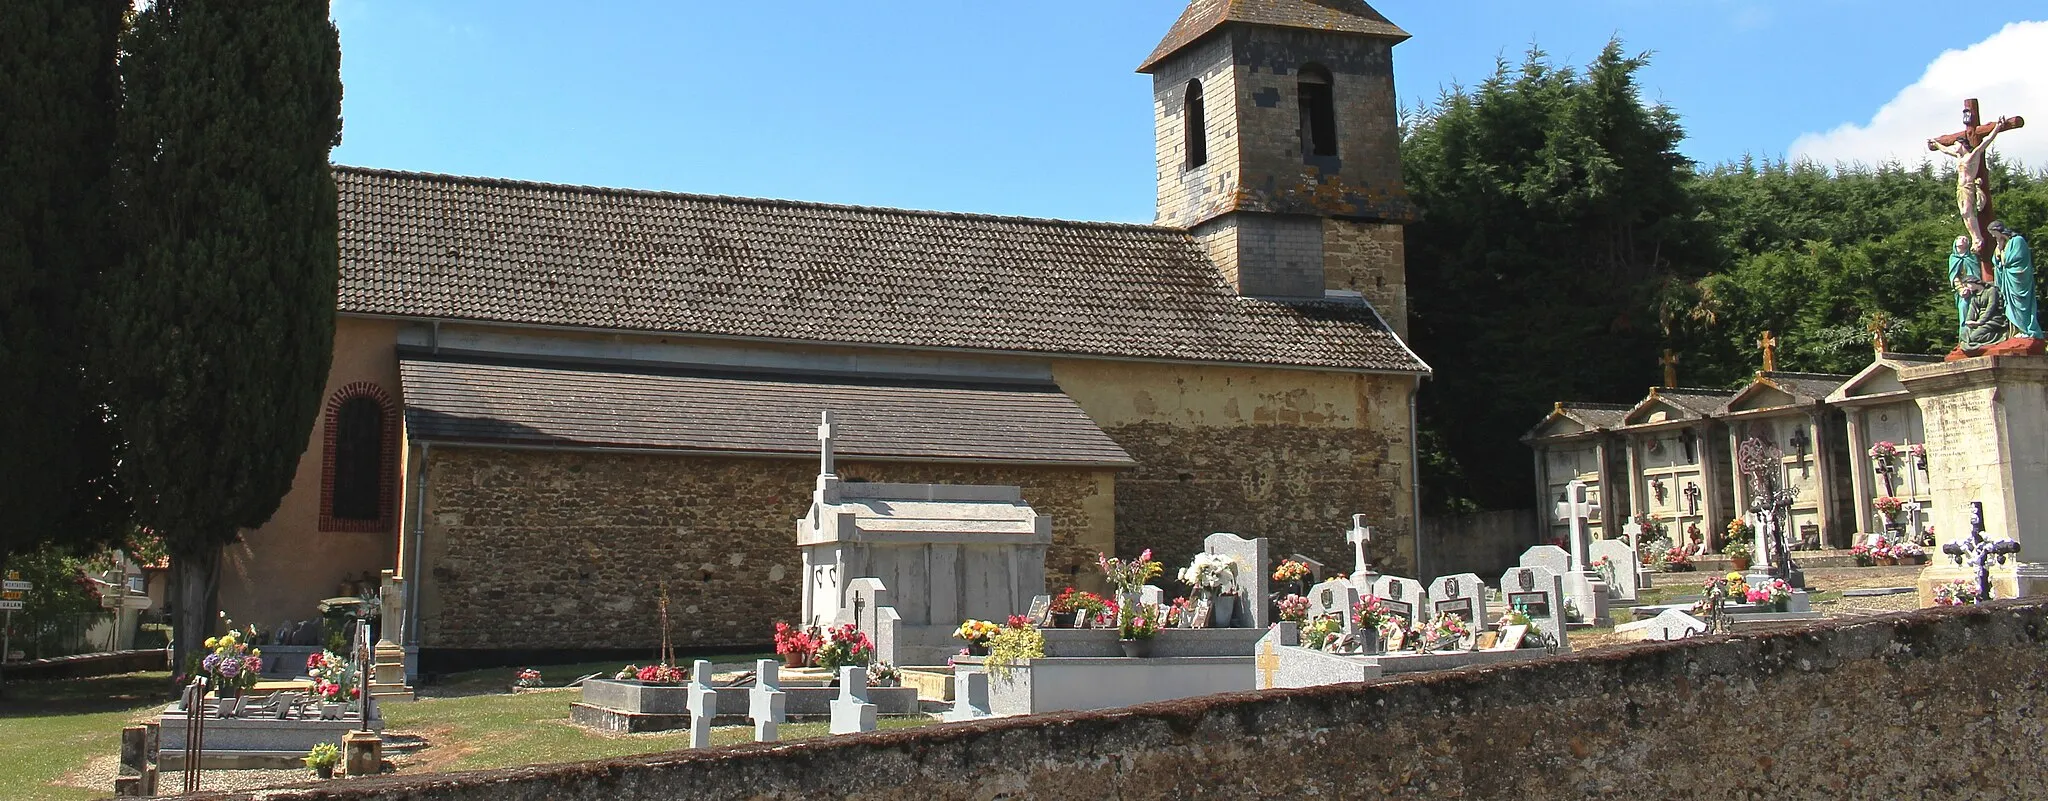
(1136, 630)
(1885, 554)
(1863, 556)
(1319, 634)
(1073, 608)
(231, 666)
(322, 759)
(526, 679)
(1369, 618)
(1738, 553)
(1015, 644)
(660, 674)
(1676, 560)
(977, 633)
(1909, 553)
(1214, 576)
(795, 645)
(883, 674)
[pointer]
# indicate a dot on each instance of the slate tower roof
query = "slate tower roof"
(1340, 16)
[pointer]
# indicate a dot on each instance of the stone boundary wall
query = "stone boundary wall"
(1945, 703)
(87, 665)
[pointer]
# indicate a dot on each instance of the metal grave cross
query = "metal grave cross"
(1574, 510)
(1360, 536)
(1979, 552)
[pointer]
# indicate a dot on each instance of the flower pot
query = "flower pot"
(1739, 562)
(1887, 561)
(1370, 642)
(1225, 607)
(324, 771)
(793, 660)
(977, 649)
(1136, 649)
(1063, 620)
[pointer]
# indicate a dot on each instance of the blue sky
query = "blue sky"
(1032, 108)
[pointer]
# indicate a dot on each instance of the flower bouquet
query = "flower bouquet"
(1291, 570)
(1676, 560)
(1909, 553)
(1321, 633)
(1957, 593)
(230, 665)
(1863, 556)
(845, 645)
(1128, 575)
(1294, 608)
(977, 633)
(660, 674)
(526, 678)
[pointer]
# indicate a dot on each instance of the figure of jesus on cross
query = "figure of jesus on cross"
(1973, 176)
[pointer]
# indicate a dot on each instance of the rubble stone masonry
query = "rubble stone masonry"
(566, 550)
(1934, 704)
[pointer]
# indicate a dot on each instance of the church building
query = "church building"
(549, 404)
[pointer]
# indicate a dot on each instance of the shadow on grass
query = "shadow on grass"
(85, 696)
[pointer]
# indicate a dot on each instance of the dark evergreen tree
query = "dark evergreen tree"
(58, 98)
(1555, 212)
(221, 319)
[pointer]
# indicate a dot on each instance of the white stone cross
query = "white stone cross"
(825, 433)
(703, 701)
(1634, 530)
(970, 700)
(851, 712)
(1574, 510)
(766, 701)
(1359, 537)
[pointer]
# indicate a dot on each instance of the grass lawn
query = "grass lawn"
(50, 728)
(469, 721)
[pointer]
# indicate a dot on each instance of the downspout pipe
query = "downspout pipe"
(413, 574)
(1415, 472)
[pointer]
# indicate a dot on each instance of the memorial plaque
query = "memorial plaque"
(1462, 607)
(1533, 604)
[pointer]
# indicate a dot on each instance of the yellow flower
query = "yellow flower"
(211, 642)
(1734, 576)
(255, 652)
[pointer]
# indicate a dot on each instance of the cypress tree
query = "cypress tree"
(58, 98)
(221, 321)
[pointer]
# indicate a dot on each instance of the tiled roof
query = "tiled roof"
(419, 245)
(589, 406)
(1203, 16)
(1692, 403)
(1810, 386)
(1600, 415)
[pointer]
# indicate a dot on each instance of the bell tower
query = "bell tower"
(1279, 147)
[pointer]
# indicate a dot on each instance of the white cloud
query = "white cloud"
(2004, 72)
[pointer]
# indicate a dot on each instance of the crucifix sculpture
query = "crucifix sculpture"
(1692, 498)
(1670, 362)
(1973, 176)
(1979, 551)
(1574, 510)
(1770, 345)
(1763, 463)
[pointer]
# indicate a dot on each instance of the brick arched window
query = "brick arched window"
(1196, 123)
(359, 466)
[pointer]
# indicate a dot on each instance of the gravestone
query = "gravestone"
(1624, 586)
(1634, 532)
(1333, 598)
(970, 696)
(1252, 577)
(851, 712)
(1150, 595)
(1558, 560)
(1403, 597)
(1670, 624)
(1463, 595)
(867, 607)
(703, 704)
(1360, 536)
(1538, 592)
(1588, 590)
(766, 701)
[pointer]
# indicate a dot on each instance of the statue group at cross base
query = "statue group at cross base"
(1991, 267)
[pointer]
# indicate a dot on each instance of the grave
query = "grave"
(1625, 586)
(1463, 595)
(943, 552)
(972, 700)
(260, 739)
(627, 706)
(1558, 561)
(703, 704)
(1537, 591)
(1282, 661)
(765, 702)
(1587, 589)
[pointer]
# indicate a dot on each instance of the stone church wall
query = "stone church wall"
(1934, 704)
(534, 549)
(1285, 454)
